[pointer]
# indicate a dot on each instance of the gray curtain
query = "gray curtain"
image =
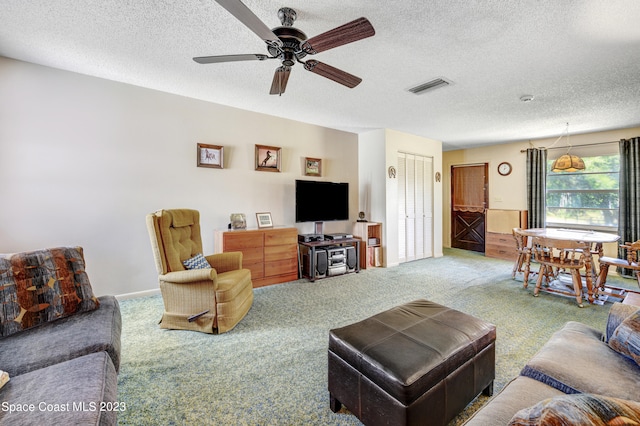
(536, 187)
(629, 215)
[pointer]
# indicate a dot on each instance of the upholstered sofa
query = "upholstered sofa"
(60, 344)
(581, 376)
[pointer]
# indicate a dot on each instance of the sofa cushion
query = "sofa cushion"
(626, 338)
(65, 339)
(579, 409)
(69, 393)
(618, 313)
(40, 286)
(577, 360)
(520, 393)
(196, 262)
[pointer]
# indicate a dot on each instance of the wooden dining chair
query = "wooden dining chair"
(630, 262)
(523, 261)
(562, 255)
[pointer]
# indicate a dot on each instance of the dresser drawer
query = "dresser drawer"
(257, 269)
(281, 237)
(501, 246)
(238, 240)
(281, 267)
(501, 252)
(252, 255)
(495, 239)
(272, 253)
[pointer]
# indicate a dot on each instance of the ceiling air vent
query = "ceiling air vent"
(429, 85)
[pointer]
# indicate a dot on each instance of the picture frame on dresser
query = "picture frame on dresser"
(264, 220)
(210, 156)
(268, 158)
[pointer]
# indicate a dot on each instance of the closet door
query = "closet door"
(402, 208)
(410, 204)
(415, 202)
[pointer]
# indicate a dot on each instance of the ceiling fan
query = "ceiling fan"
(290, 45)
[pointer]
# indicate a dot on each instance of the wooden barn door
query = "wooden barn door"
(469, 196)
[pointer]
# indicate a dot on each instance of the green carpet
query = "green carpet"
(272, 368)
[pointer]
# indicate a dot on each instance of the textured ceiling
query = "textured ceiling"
(579, 59)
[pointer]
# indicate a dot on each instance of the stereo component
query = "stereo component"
(321, 264)
(352, 259)
(339, 236)
(309, 238)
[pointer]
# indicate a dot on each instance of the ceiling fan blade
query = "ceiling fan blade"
(332, 73)
(248, 18)
(280, 79)
(344, 34)
(230, 58)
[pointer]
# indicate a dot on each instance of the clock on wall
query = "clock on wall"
(504, 168)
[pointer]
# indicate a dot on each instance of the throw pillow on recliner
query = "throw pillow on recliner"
(626, 337)
(196, 262)
(42, 286)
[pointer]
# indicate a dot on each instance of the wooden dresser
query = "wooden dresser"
(499, 241)
(270, 254)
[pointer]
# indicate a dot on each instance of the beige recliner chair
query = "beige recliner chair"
(211, 300)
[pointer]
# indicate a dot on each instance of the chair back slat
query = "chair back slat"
(560, 253)
(521, 239)
(632, 251)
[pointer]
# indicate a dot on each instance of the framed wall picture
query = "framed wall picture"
(210, 156)
(312, 167)
(268, 158)
(264, 220)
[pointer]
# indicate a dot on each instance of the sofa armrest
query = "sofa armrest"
(618, 313)
(225, 262)
(189, 276)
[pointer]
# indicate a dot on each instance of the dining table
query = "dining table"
(595, 238)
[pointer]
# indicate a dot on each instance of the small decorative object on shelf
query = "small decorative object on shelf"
(361, 217)
(264, 220)
(238, 221)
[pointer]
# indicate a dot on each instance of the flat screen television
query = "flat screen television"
(318, 201)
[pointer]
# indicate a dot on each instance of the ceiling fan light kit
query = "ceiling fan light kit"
(290, 45)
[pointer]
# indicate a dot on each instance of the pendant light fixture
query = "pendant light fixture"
(567, 162)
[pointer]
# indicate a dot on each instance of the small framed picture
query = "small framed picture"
(312, 167)
(264, 220)
(268, 158)
(210, 156)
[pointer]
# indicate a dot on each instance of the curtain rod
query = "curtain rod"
(572, 146)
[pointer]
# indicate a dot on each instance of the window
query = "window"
(585, 199)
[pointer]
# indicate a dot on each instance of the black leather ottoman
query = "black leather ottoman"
(418, 363)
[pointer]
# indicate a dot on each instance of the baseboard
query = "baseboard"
(138, 294)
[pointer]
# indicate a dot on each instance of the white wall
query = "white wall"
(371, 168)
(83, 160)
(378, 151)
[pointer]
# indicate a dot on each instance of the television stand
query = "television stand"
(323, 259)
